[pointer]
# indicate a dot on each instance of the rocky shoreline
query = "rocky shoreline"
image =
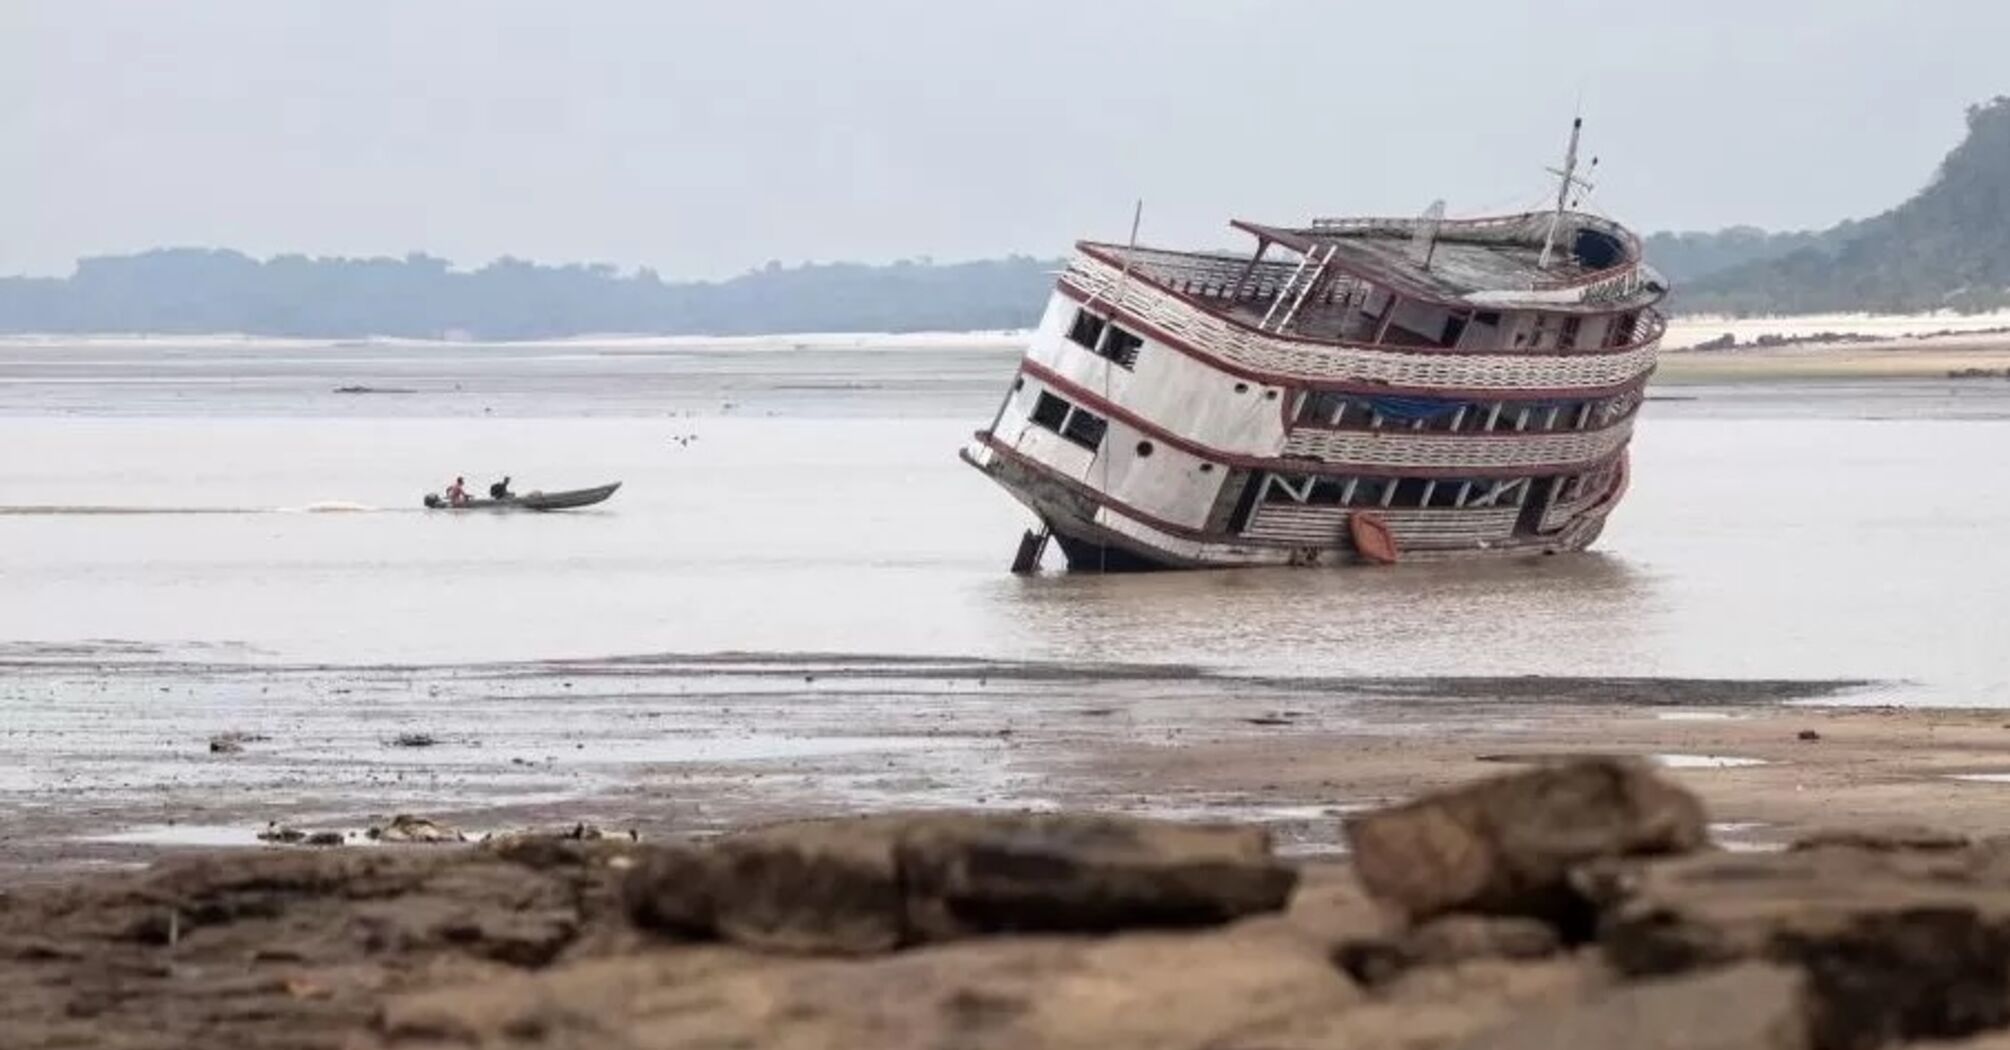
(1575, 903)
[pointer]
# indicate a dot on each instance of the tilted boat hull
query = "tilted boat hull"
(1409, 391)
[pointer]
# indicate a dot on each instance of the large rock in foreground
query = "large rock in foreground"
(1894, 944)
(1506, 845)
(1749, 1007)
(867, 885)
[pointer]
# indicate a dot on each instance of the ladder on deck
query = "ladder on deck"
(1311, 266)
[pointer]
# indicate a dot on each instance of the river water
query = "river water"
(219, 500)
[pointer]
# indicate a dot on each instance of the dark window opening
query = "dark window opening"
(1085, 429)
(1597, 250)
(1455, 327)
(1409, 492)
(1446, 494)
(1321, 407)
(1121, 346)
(1369, 492)
(1326, 492)
(1144, 450)
(1488, 317)
(1622, 330)
(1050, 411)
(1567, 339)
(1245, 501)
(1242, 388)
(1087, 330)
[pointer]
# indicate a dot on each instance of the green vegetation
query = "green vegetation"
(1946, 248)
(186, 290)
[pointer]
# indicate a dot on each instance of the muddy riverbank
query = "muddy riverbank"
(107, 759)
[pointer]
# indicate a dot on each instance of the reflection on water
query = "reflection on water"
(811, 501)
(1521, 615)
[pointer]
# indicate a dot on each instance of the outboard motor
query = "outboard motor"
(433, 501)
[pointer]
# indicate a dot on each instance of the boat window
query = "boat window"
(1621, 330)
(1455, 326)
(1087, 330)
(1121, 346)
(1050, 411)
(1144, 449)
(1409, 493)
(1445, 493)
(1488, 317)
(1322, 407)
(1368, 493)
(1085, 428)
(1567, 339)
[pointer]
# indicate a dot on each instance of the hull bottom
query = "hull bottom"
(1087, 555)
(1095, 537)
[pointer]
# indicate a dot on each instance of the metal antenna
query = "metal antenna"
(1566, 181)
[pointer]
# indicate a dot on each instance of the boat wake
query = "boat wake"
(332, 506)
(323, 507)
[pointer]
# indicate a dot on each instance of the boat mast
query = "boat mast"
(1566, 179)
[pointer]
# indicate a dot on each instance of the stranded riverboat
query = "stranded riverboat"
(1349, 390)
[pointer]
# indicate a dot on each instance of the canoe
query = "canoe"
(531, 500)
(1372, 538)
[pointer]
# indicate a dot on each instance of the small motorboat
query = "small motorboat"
(529, 500)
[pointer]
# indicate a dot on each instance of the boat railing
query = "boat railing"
(1297, 358)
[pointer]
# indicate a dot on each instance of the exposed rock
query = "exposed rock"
(1455, 938)
(281, 833)
(811, 887)
(872, 884)
(1133, 992)
(325, 838)
(232, 743)
(407, 828)
(1808, 734)
(1749, 1007)
(1896, 944)
(1444, 941)
(1889, 837)
(413, 740)
(1506, 845)
(982, 873)
(576, 832)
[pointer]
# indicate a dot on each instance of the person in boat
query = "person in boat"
(457, 493)
(500, 490)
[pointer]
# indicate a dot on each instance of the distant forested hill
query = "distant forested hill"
(1946, 248)
(185, 290)
(1686, 257)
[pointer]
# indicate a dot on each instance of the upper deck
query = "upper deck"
(1478, 285)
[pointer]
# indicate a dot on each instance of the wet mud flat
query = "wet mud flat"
(117, 755)
(1574, 902)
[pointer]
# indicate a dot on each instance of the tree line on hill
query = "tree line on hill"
(1948, 247)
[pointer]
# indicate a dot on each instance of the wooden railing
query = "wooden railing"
(1430, 450)
(1300, 360)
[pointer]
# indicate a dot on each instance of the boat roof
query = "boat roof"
(1493, 261)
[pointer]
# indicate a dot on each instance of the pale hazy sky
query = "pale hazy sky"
(704, 137)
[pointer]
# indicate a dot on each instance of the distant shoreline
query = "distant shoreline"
(937, 340)
(1820, 346)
